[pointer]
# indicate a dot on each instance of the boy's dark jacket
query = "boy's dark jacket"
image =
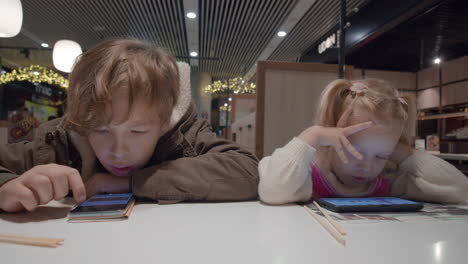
(190, 162)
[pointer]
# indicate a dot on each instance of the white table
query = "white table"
(247, 232)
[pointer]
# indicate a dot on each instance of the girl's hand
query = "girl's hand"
(107, 183)
(336, 137)
(40, 185)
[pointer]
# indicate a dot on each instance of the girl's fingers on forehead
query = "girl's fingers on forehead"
(340, 152)
(358, 127)
(350, 148)
(344, 117)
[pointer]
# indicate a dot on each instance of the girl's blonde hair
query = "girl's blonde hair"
(379, 98)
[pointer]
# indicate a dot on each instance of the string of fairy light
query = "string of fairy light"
(35, 74)
(225, 108)
(232, 86)
(235, 85)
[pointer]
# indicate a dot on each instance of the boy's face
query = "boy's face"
(376, 144)
(126, 144)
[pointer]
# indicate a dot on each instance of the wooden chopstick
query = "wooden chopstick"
(338, 237)
(32, 241)
(333, 222)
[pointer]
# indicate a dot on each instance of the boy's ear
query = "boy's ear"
(165, 126)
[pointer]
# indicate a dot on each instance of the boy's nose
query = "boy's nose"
(118, 149)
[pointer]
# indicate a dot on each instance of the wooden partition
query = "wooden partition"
(242, 105)
(287, 97)
(243, 131)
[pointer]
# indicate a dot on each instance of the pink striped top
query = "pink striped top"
(323, 188)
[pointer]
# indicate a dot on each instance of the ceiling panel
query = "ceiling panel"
(232, 33)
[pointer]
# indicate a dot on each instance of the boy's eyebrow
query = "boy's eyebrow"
(140, 122)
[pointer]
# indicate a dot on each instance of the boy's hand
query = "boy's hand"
(107, 183)
(41, 185)
(336, 137)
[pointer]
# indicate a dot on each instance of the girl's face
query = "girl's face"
(123, 147)
(376, 144)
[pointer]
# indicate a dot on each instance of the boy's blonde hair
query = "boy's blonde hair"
(379, 98)
(138, 67)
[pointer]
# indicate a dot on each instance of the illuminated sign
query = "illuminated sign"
(329, 42)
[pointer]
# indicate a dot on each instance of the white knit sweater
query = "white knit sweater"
(286, 177)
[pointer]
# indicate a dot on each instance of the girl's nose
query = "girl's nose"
(364, 163)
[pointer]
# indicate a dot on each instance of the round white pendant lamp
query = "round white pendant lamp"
(11, 18)
(64, 54)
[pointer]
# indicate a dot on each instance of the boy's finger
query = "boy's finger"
(27, 199)
(65, 178)
(61, 187)
(41, 186)
(57, 175)
(356, 128)
(350, 148)
(12, 206)
(77, 186)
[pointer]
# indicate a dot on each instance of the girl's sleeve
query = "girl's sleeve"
(285, 176)
(425, 177)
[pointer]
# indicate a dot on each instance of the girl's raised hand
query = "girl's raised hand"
(336, 137)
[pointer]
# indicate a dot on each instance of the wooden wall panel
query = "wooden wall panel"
(400, 80)
(455, 70)
(287, 97)
(428, 98)
(455, 93)
(428, 77)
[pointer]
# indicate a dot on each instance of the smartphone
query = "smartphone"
(103, 204)
(370, 204)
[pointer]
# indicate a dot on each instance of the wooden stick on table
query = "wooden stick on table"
(327, 227)
(333, 222)
(32, 241)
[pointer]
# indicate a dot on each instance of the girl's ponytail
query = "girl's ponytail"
(331, 103)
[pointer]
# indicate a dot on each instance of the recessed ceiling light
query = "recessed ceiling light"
(45, 45)
(191, 15)
(230, 99)
(281, 34)
(193, 54)
(437, 60)
(225, 104)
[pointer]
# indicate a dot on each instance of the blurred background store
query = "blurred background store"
(252, 61)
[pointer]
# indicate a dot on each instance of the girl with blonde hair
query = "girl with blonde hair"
(359, 147)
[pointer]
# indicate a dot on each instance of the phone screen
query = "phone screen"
(367, 201)
(104, 202)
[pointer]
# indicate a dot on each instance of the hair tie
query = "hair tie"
(358, 88)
